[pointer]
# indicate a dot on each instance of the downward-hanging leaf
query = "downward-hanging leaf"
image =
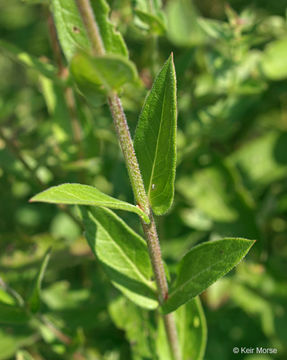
(192, 332)
(96, 76)
(202, 266)
(155, 140)
(123, 254)
(71, 31)
(34, 300)
(78, 194)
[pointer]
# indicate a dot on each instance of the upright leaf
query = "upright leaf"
(123, 253)
(71, 31)
(78, 194)
(192, 332)
(155, 140)
(34, 300)
(202, 266)
(112, 39)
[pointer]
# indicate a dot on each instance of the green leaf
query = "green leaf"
(183, 27)
(134, 321)
(78, 194)
(155, 24)
(263, 160)
(274, 60)
(34, 300)
(11, 342)
(96, 76)
(155, 139)
(72, 34)
(202, 266)
(112, 39)
(23, 355)
(48, 70)
(218, 193)
(123, 253)
(10, 314)
(192, 332)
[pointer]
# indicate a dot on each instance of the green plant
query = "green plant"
(98, 61)
(114, 296)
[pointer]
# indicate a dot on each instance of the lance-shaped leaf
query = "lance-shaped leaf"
(155, 140)
(78, 194)
(123, 253)
(72, 33)
(34, 300)
(202, 266)
(96, 76)
(192, 332)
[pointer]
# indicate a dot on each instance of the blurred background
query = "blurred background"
(231, 174)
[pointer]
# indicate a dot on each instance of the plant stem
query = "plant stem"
(136, 179)
(91, 26)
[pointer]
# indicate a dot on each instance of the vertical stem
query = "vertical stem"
(136, 179)
(91, 26)
(126, 143)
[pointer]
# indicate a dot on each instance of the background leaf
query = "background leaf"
(10, 314)
(77, 194)
(202, 266)
(155, 140)
(34, 300)
(123, 253)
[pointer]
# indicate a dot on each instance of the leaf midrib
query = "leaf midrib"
(180, 287)
(157, 140)
(137, 271)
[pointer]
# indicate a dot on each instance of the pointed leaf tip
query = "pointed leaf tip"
(155, 139)
(78, 194)
(202, 266)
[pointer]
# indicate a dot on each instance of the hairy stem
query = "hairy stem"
(136, 179)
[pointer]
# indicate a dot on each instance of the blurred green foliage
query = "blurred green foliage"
(231, 174)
